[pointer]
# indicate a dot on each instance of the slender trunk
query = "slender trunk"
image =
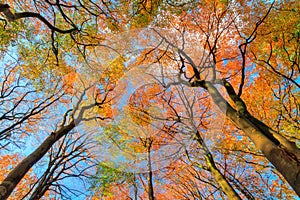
(283, 158)
(42, 187)
(150, 182)
(218, 176)
(39, 193)
(14, 177)
(220, 179)
(135, 188)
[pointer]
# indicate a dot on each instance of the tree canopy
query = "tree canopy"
(149, 99)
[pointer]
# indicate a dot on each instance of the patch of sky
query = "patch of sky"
(71, 59)
(10, 57)
(297, 80)
(253, 74)
(268, 1)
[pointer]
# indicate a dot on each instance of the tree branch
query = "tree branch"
(4, 8)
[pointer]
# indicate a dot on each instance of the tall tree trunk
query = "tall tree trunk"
(218, 176)
(283, 158)
(220, 179)
(14, 177)
(150, 181)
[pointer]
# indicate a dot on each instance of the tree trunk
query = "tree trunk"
(218, 176)
(220, 179)
(150, 181)
(14, 177)
(283, 159)
(135, 188)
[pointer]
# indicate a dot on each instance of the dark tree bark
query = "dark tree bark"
(14, 177)
(148, 145)
(68, 158)
(5, 9)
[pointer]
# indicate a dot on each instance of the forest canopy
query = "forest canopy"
(149, 99)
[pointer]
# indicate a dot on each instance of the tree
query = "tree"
(282, 153)
(70, 158)
(10, 161)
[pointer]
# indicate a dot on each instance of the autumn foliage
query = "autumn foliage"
(151, 99)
